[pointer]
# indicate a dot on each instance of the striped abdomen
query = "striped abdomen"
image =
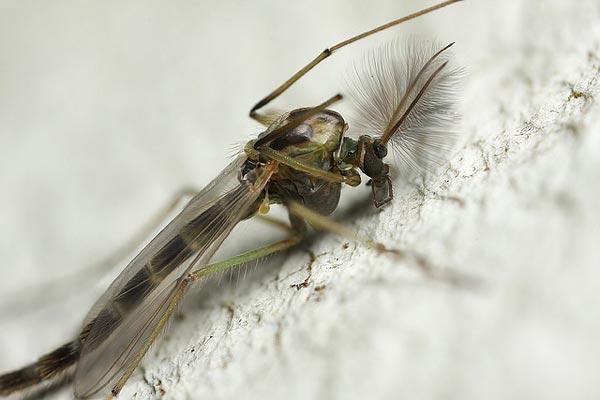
(47, 368)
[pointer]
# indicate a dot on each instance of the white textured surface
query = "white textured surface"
(107, 109)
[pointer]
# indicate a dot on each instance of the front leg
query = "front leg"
(332, 177)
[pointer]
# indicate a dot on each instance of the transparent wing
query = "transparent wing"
(126, 319)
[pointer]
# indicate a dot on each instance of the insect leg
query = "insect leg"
(322, 222)
(266, 118)
(274, 222)
(330, 50)
(174, 298)
(245, 257)
(185, 284)
(352, 180)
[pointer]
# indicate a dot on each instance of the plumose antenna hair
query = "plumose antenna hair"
(405, 93)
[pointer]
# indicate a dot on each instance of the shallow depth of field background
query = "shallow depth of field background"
(108, 108)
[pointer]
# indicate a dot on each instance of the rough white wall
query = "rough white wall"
(106, 109)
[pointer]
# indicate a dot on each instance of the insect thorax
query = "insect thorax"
(314, 142)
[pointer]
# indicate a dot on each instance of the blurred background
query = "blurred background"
(108, 108)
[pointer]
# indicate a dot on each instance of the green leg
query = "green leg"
(188, 281)
(243, 258)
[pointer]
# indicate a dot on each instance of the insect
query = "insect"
(301, 160)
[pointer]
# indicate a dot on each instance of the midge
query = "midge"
(403, 98)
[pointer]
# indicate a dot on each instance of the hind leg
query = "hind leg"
(324, 223)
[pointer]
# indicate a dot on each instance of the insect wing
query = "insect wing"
(126, 319)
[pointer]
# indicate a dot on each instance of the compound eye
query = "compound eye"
(379, 149)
